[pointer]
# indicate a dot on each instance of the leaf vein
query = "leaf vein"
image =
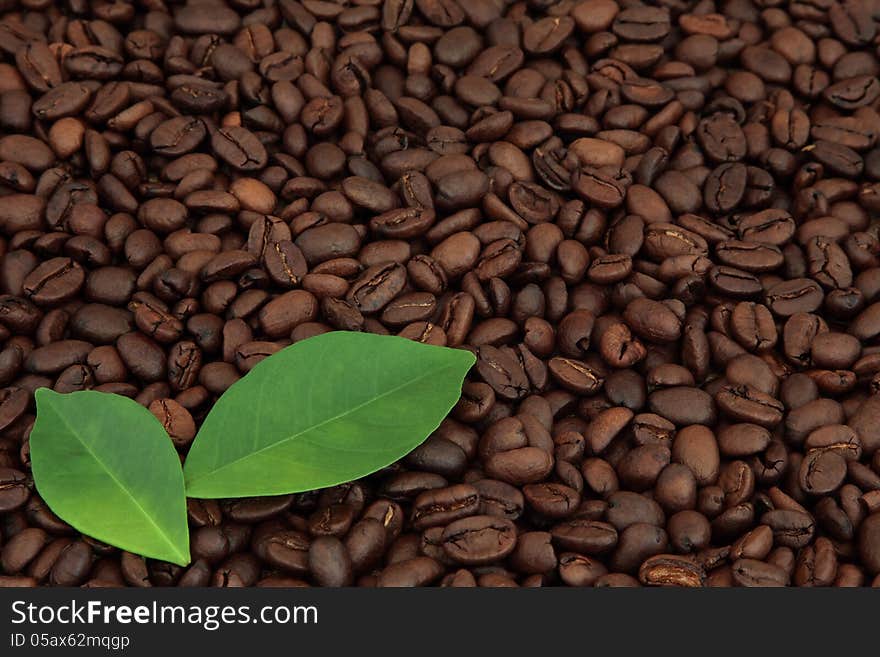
(349, 411)
(118, 483)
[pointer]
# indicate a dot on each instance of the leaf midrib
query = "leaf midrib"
(119, 484)
(294, 436)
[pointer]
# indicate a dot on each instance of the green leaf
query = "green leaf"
(105, 465)
(322, 412)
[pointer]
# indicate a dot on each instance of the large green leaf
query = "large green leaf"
(322, 412)
(105, 465)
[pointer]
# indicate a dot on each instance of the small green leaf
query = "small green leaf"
(105, 465)
(322, 412)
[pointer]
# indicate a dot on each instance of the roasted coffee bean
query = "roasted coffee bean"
(13, 404)
(365, 543)
(519, 466)
(575, 375)
(868, 543)
(671, 570)
(585, 536)
(329, 562)
(52, 359)
(333, 520)
(822, 471)
(534, 553)
(479, 539)
(652, 320)
(551, 500)
(178, 135)
(377, 286)
(54, 282)
(142, 356)
(725, 187)
(744, 439)
(791, 528)
(695, 446)
(722, 138)
(752, 325)
(604, 187)
(15, 489)
(100, 324)
(176, 419)
(754, 257)
(502, 370)
(439, 507)
(284, 313)
(637, 543)
(752, 572)
(683, 405)
(499, 498)
(239, 148)
(733, 282)
(22, 549)
(748, 404)
(417, 571)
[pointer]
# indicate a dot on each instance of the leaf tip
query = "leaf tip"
(43, 394)
(464, 358)
(181, 558)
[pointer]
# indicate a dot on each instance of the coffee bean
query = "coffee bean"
(499, 498)
(478, 539)
(754, 257)
(284, 313)
(14, 489)
(747, 404)
(72, 565)
(752, 572)
(753, 327)
(671, 570)
(636, 544)
(418, 571)
(822, 471)
(240, 148)
(142, 356)
(733, 282)
(604, 187)
(440, 507)
(534, 553)
(721, 138)
(57, 356)
(100, 324)
(177, 135)
(54, 282)
(743, 439)
(585, 536)
(652, 320)
(14, 402)
(575, 375)
(551, 500)
(22, 548)
(791, 528)
(176, 419)
(683, 405)
(377, 286)
(329, 562)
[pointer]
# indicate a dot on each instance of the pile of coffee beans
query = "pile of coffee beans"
(654, 225)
